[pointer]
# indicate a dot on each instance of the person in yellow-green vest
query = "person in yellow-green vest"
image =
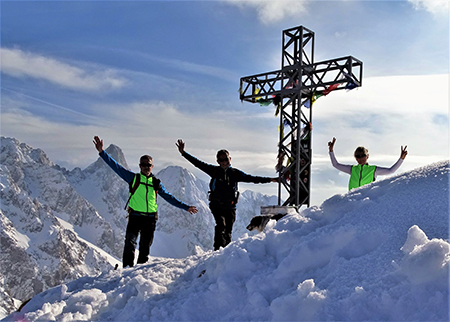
(142, 207)
(363, 173)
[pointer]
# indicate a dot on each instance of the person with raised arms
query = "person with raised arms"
(142, 207)
(363, 173)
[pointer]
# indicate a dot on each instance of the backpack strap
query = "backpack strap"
(133, 188)
(156, 184)
(137, 180)
(213, 179)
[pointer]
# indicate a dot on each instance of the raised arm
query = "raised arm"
(380, 171)
(205, 167)
(341, 167)
(125, 174)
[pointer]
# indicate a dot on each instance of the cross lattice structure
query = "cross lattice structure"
(293, 89)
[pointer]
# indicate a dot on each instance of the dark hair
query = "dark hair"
(361, 150)
(222, 152)
(146, 157)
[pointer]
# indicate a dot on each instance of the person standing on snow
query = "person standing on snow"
(223, 194)
(363, 173)
(142, 209)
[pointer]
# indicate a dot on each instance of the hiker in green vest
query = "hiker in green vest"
(142, 207)
(363, 173)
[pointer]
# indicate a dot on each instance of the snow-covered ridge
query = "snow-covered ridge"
(57, 225)
(377, 253)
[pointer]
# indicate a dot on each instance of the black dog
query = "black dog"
(260, 222)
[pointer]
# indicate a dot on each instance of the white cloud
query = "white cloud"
(18, 63)
(217, 72)
(385, 113)
(7, 106)
(200, 69)
(149, 126)
(271, 11)
(401, 94)
(436, 7)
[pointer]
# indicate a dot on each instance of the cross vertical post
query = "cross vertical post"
(293, 89)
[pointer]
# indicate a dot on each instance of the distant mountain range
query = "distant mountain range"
(57, 225)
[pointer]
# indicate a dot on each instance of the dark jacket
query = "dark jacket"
(224, 182)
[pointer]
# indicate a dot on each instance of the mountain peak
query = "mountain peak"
(13, 151)
(117, 154)
(175, 171)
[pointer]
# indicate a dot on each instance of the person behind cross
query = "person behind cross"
(223, 194)
(142, 207)
(363, 173)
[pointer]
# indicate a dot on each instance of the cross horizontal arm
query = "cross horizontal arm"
(306, 78)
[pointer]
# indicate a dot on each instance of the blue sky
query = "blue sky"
(143, 74)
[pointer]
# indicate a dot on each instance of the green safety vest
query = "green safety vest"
(361, 175)
(143, 199)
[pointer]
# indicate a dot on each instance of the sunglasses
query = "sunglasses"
(222, 159)
(146, 165)
(359, 156)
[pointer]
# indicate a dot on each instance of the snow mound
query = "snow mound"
(380, 252)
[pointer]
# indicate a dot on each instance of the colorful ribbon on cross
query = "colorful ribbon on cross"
(351, 83)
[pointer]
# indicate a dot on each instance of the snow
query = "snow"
(172, 244)
(110, 259)
(377, 253)
(22, 240)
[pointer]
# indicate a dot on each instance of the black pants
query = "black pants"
(225, 219)
(145, 225)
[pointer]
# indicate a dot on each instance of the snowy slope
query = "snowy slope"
(380, 252)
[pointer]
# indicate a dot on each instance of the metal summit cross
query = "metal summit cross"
(293, 89)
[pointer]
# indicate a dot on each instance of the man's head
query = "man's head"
(223, 158)
(146, 165)
(361, 155)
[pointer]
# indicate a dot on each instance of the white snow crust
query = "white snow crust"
(377, 253)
